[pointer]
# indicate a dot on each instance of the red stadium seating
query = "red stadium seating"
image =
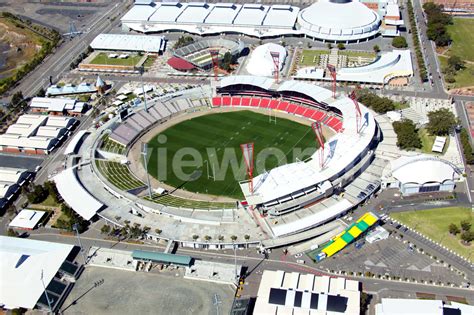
(283, 106)
(236, 101)
(226, 100)
(300, 110)
(274, 104)
(331, 121)
(254, 102)
(292, 108)
(216, 101)
(245, 101)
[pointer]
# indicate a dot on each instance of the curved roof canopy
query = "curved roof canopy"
(422, 170)
(180, 64)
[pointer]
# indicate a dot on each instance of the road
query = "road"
(56, 64)
(256, 264)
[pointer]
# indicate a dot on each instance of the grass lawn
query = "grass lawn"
(212, 137)
(356, 53)
(49, 202)
(464, 77)
(310, 57)
(149, 62)
(427, 141)
(434, 223)
(103, 59)
(462, 33)
(401, 105)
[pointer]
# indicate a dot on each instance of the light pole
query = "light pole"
(46, 293)
(235, 263)
(76, 230)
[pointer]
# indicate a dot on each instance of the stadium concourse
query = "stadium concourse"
(292, 202)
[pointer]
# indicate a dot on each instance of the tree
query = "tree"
(41, 93)
(247, 237)
(341, 46)
(329, 45)
(455, 63)
(37, 194)
(12, 233)
(158, 231)
(195, 237)
(440, 122)
(467, 236)
(221, 238)
(453, 229)
(50, 186)
(379, 104)
(105, 229)
(465, 225)
(233, 238)
(376, 48)
(407, 135)
(399, 42)
(207, 238)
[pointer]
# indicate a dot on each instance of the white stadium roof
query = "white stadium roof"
(261, 61)
(421, 169)
(349, 21)
(127, 42)
(23, 263)
(75, 195)
(389, 306)
(388, 65)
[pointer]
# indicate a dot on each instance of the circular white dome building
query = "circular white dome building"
(261, 62)
(339, 21)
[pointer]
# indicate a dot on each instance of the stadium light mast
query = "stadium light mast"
(332, 71)
(247, 151)
(276, 64)
(215, 61)
(318, 131)
(46, 293)
(353, 97)
(145, 153)
(142, 71)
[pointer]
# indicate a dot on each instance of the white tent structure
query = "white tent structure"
(261, 62)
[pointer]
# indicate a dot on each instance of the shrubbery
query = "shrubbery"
(379, 104)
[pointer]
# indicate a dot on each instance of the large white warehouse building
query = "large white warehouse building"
(326, 20)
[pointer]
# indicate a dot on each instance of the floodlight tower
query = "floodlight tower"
(276, 64)
(145, 163)
(353, 97)
(318, 131)
(215, 61)
(247, 151)
(332, 71)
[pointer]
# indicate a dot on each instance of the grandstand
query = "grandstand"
(119, 175)
(174, 201)
(111, 146)
(351, 233)
(198, 53)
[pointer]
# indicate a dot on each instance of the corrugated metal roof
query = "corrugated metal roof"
(162, 257)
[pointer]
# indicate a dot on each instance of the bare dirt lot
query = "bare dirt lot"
(127, 292)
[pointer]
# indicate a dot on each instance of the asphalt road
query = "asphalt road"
(256, 264)
(55, 65)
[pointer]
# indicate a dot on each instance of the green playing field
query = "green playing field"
(213, 141)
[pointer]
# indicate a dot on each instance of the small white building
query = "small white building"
(377, 234)
(27, 219)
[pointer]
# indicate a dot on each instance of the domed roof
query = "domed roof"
(261, 62)
(339, 20)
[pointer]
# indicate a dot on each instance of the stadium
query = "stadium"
(198, 54)
(326, 20)
(289, 201)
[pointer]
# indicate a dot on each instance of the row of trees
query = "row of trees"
(183, 41)
(47, 46)
(379, 104)
(467, 235)
(437, 24)
(407, 135)
(467, 149)
(416, 41)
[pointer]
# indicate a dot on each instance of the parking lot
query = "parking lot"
(128, 292)
(393, 258)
